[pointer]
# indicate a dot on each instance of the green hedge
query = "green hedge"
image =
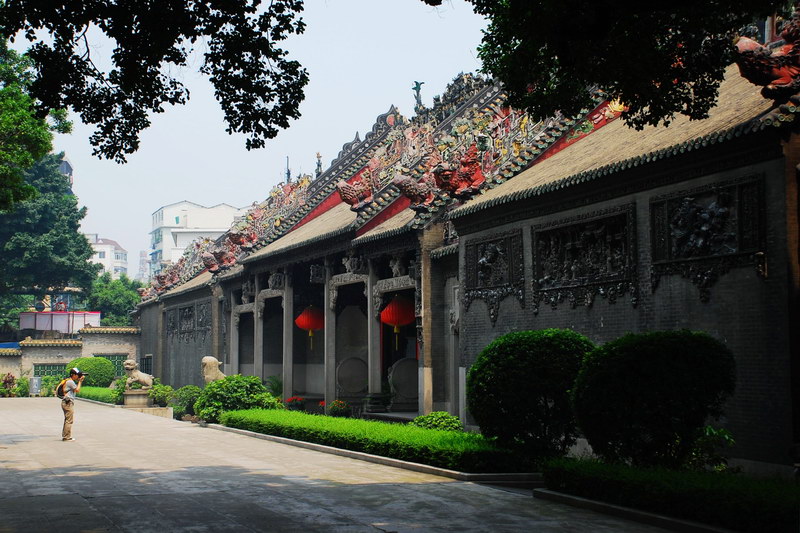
(727, 500)
(99, 394)
(465, 452)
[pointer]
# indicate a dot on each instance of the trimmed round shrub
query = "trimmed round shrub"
(100, 370)
(644, 398)
(232, 393)
(185, 397)
(518, 389)
(441, 420)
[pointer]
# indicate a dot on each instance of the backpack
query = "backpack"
(60, 388)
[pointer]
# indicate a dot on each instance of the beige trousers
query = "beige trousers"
(69, 413)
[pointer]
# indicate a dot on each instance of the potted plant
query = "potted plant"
(295, 403)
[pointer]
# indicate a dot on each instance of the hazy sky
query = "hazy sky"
(362, 56)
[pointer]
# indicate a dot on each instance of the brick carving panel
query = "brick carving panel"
(580, 258)
(495, 270)
(703, 233)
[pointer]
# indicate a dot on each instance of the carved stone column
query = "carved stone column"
(258, 336)
(288, 339)
(374, 393)
(233, 367)
(330, 338)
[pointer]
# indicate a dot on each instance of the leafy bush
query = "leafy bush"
(643, 398)
(118, 390)
(161, 394)
(518, 389)
(441, 420)
(466, 452)
(22, 388)
(100, 370)
(48, 386)
(727, 500)
(339, 408)
(98, 394)
(7, 385)
(274, 385)
(709, 447)
(230, 394)
(184, 400)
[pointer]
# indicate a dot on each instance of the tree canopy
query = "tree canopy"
(24, 137)
(658, 59)
(114, 298)
(41, 247)
(257, 85)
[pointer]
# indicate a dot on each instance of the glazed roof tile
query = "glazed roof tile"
(336, 221)
(395, 225)
(10, 352)
(444, 251)
(109, 330)
(51, 342)
(616, 146)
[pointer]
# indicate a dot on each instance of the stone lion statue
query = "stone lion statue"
(210, 368)
(135, 375)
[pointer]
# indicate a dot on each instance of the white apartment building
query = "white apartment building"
(176, 225)
(110, 254)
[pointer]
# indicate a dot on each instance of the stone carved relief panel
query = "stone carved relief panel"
(316, 274)
(186, 322)
(277, 281)
(384, 287)
(261, 299)
(579, 258)
(344, 279)
(189, 323)
(494, 270)
(203, 314)
(702, 233)
(248, 291)
(172, 322)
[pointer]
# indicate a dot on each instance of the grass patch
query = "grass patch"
(734, 501)
(98, 394)
(456, 450)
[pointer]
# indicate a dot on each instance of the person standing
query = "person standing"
(71, 388)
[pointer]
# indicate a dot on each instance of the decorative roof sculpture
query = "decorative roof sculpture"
(776, 69)
(469, 140)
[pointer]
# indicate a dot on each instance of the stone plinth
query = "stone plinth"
(163, 412)
(137, 398)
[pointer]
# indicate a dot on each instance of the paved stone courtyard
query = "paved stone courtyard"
(129, 471)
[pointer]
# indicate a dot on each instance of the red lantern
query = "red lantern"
(399, 312)
(310, 319)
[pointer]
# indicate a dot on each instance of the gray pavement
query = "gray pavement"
(129, 471)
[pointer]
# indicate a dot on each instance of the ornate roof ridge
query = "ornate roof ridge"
(778, 117)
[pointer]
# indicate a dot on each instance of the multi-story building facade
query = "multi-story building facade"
(109, 254)
(176, 225)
